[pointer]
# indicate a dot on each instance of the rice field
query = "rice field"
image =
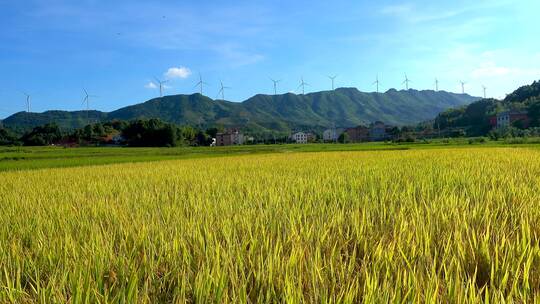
(428, 226)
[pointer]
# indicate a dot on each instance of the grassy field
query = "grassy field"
(24, 158)
(420, 225)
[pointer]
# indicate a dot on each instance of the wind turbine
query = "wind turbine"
(222, 90)
(436, 84)
(332, 78)
(87, 101)
(161, 83)
(303, 84)
(462, 86)
(406, 82)
(484, 87)
(200, 83)
(377, 83)
(275, 85)
(27, 102)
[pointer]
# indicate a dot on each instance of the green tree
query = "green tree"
(343, 138)
(150, 133)
(42, 135)
(534, 112)
(6, 137)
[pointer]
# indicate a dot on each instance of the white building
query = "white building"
(332, 134)
(300, 137)
(506, 119)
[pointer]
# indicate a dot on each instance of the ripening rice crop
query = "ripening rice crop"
(453, 225)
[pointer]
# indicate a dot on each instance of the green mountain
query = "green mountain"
(24, 121)
(474, 118)
(345, 107)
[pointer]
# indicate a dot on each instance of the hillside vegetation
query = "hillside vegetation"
(344, 107)
(474, 118)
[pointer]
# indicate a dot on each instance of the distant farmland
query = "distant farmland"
(432, 225)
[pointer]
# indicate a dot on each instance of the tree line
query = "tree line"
(474, 119)
(137, 133)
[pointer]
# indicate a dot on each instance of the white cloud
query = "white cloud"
(178, 72)
(151, 85)
(489, 69)
(397, 9)
(492, 70)
(236, 56)
(420, 14)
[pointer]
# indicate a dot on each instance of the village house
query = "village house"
(357, 134)
(302, 137)
(229, 138)
(377, 131)
(509, 118)
(332, 134)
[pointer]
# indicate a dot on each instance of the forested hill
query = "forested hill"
(474, 118)
(343, 107)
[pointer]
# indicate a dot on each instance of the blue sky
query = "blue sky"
(52, 49)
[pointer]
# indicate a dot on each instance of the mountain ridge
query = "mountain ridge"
(344, 107)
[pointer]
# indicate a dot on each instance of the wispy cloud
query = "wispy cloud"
(178, 72)
(151, 85)
(237, 57)
(416, 14)
(396, 9)
(489, 69)
(170, 26)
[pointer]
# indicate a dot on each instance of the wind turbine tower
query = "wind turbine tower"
(303, 85)
(406, 82)
(86, 101)
(27, 102)
(222, 90)
(377, 83)
(161, 83)
(436, 85)
(275, 85)
(484, 87)
(201, 83)
(332, 78)
(462, 87)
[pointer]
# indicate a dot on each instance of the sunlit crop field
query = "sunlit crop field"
(447, 225)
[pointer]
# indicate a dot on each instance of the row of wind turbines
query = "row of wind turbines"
(303, 85)
(86, 100)
(201, 83)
